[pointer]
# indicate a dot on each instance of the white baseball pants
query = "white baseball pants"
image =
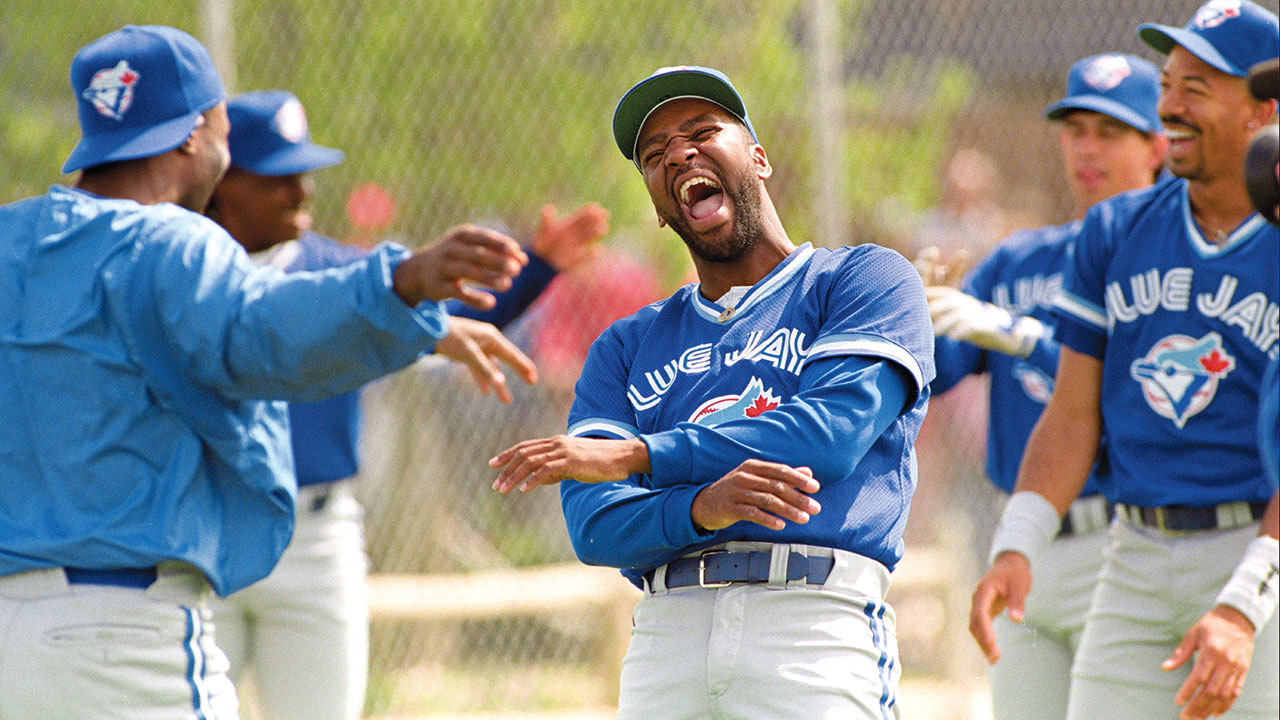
(1033, 676)
(749, 651)
(303, 631)
(82, 652)
(1153, 587)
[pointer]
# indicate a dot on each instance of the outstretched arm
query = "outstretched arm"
(561, 244)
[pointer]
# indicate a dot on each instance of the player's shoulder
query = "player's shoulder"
(866, 262)
(1165, 197)
(317, 252)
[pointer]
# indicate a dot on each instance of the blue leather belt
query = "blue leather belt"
(718, 568)
(1090, 525)
(120, 577)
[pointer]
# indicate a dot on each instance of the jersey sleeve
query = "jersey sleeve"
(843, 405)
(875, 306)
(526, 288)
(630, 523)
(253, 332)
(876, 327)
(1081, 306)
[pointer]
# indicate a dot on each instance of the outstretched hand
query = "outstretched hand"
(935, 269)
(480, 347)
(1005, 585)
(456, 264)
(569, 241)
(546, 461)
(1221, 642)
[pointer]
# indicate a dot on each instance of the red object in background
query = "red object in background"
(581, 304)
(371, 208)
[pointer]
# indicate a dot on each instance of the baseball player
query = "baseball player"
(304, 630)
(1168, 319)
(743, 449)
(1001, 323)
(138, 467)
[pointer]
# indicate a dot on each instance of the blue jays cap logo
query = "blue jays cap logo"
(111, 91)
(754, 400)
(1106, 72)
(1180, 375)
(1214, 13)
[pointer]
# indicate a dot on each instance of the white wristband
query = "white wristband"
(1252, 588)
(1027, 525)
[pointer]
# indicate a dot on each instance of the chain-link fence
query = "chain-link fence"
(901, 122)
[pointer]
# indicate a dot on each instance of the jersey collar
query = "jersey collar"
(768, 285)
(1206, 249)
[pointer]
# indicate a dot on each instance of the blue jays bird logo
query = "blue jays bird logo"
(1180, 375)
(1035, 382)
(753, 401)
(1107, 72)
(111, 91)
(1217, 12)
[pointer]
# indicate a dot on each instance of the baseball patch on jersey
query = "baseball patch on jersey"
(110, 91)
(1216, 12)
(1180, 374)
(1106, 72)
(753, 401)
(1035, 382)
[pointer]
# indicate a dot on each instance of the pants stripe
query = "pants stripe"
(875, 619)
(195, 664)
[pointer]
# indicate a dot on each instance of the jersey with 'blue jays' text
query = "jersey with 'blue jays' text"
(1185, 330)
(1022, 276)
(143, 358)
(824, 363)
(325, 432)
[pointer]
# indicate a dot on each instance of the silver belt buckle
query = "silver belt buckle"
(702, 570)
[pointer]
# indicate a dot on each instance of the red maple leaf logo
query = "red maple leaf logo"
(1213, 362)
(128, 77)
(761, 405)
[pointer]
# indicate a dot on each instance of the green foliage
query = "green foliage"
(486, 109)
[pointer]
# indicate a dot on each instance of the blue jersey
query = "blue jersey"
(1269, 424)
(825, 363)
(1021, 276)
(1184, 329)
(136, 345)
(325, 432)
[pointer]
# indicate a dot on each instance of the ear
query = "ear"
(1159, 149)
(761, 162)
(188, 146)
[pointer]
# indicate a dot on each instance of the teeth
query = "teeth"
(684, 189)
(1179, 134)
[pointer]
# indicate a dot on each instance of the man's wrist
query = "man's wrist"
(1252, 589)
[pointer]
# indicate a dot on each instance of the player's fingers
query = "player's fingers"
(754, 514)
(505, 457)
(485, 241)
(503, 350)
(1180, 654)
(776, 503)
(985, 605)
(800, 478)
(1200, 672)
(471, 296)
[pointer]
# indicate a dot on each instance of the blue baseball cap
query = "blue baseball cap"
(269, 135)
(140, 92)
(672, 83)
(1126, 87)
(1230, 35)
